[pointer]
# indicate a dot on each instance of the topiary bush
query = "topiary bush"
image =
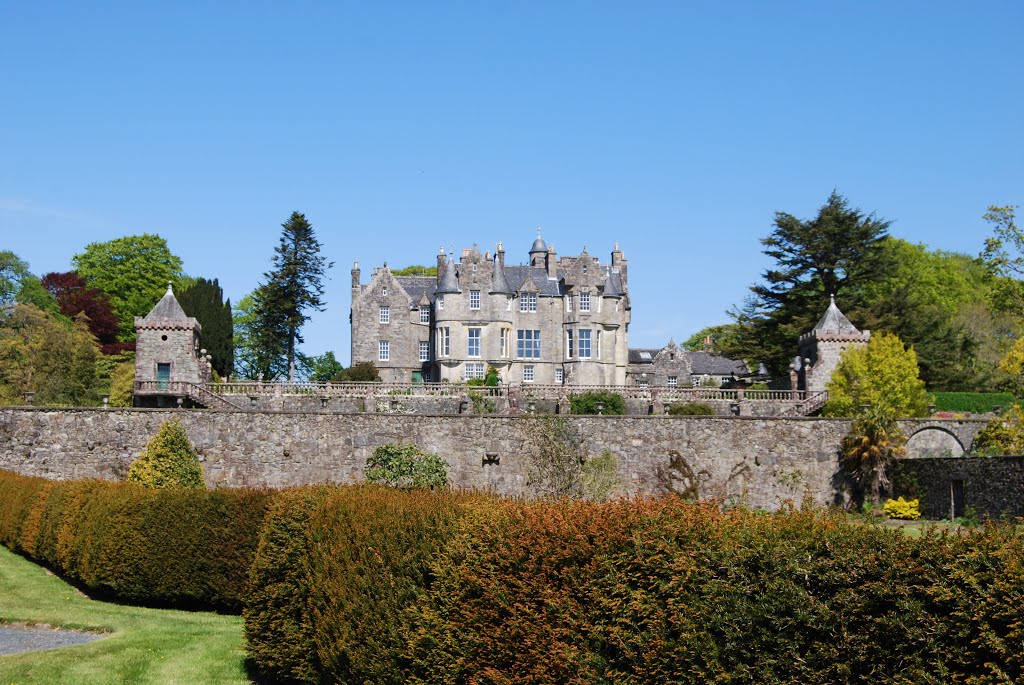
(691, 409)
(587, 403)
(168, 461)
(908, 510)
(406, 466)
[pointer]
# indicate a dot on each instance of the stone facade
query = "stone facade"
(167, 352)
(992, 486)
(757, 460)
(822, 347)
(555, 320)
(673, 366)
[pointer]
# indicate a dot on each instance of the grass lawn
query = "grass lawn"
(159, 646)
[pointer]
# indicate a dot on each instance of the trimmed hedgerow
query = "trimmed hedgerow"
(973, 402)
(183, 547)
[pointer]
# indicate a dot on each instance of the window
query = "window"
(569, 349)
(508, 304)
(474, 299)
(474, 370)
(385, 314)
(568, 303)
(424, 313)
(527, 302)
(443, 342)
(598, 335)
(527, 344)
(584, 343)
(559, 376)
(384, 291)
(584, 302)
(424, 351)
(599, 304)
(528, 373)
(673, 381)
(506, 342)
(473, 349)
(383, 351)
(440, 302)
(642, 382)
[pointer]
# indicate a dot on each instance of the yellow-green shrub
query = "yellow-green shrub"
(168, 461)
(903, 509)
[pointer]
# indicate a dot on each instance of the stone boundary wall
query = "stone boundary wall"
(992, 486)
(760, 461)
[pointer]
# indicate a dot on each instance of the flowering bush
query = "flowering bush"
(903, 509)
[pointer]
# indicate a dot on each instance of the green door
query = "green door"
(417, 377)
(163, 376)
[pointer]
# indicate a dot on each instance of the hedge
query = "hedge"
(182, 547)
(400, 587)
(973, 402)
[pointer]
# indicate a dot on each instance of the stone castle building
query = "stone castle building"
(821, 348)
(552, 320)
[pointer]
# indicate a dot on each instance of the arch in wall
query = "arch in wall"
(934, 441)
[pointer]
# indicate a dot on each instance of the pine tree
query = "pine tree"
(292, 288)
(204, 300)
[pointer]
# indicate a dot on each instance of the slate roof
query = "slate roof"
(516, 276)
(167, 314)
(499, 284)
(449, 283)
(713, 365)
(834, 321)
(637, 355)
(417, 286)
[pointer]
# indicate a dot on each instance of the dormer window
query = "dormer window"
(474, 299)
(424, 313)
(585, 302)
(527, 302)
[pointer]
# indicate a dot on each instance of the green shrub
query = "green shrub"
(973, 402)
(908, 510)
(1002, 435)
(405, 466)
(168, 461)
(587, 403)
(122, 385)
(181, 547)
(691, 409)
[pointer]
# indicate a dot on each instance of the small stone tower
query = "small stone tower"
(167, 353)
(821, 348)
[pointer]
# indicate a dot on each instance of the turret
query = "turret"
(499, 284)
(539, 251)
(449, 282)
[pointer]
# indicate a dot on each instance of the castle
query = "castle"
(551, 321)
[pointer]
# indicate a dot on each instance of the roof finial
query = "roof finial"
(538, 230)
(169, 289)
(833, 298)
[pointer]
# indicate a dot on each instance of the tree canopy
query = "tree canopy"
(882, 375)
(18, 285)
(204, 300)
(74, 296)
(415, 270)
(133, 271)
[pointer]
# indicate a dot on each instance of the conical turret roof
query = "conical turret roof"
(499, 284)
(834, 321)
(167, 314)
(449, 281)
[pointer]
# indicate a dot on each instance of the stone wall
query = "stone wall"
(992, 486)
(760, 461)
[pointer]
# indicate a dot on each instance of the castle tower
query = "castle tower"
(822, 347)
(539, 252)
(167, 353)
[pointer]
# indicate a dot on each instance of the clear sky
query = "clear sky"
(676, 129)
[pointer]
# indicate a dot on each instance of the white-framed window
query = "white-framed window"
(584, 302)
(383, 350)
(384, 291)
(440, 301)
(672, 381)
(424, 351)
(508, 303)
(584, 343)
(568, 303)
(570, 348)
(598, 341)
(473, 346)
(424, 313)
(642, 382)
(506, 342)
(599, 299)
(474, 299)
(527, 302)
(559, 376)
(528, 373)
(443, 341)
(527, 344)
(474, 370)
(385, 314)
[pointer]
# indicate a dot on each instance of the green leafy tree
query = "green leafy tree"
(133, 271)
(1002, 435)
(416, 270)
(883, 373)
(293, 287)
(361, 372)
(19, 286)
(52, 358)
(813, 258)
(324, 367)
(122, 384)
(1003, 256)
(874, 442)
(405, 466)
(204, 300)
(168, 461)
(727, 340)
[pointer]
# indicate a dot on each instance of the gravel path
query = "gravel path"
(15, 639)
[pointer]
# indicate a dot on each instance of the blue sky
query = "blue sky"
(676, 129)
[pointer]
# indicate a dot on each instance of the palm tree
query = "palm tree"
(873, 442)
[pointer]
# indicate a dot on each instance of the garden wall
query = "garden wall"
(992, 486)
(758, 460)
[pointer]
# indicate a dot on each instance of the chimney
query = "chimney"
(619, 262)
(440, 264)
(355, 277)
(500, 254)
(551, 263)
